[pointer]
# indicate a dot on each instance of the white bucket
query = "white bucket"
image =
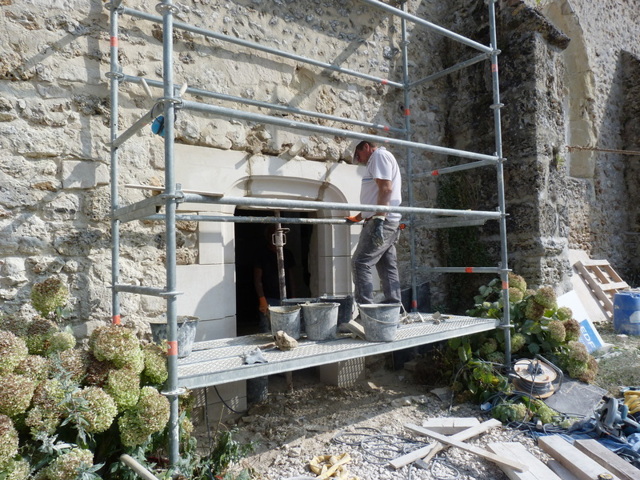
(285, 318)
(320, 320)
(380, 321)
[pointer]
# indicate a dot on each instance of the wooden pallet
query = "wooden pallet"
(603, 282)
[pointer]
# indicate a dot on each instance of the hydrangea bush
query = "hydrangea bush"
(540, 327)
(69, 411)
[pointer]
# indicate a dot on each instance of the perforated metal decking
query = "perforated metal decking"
(221, 361)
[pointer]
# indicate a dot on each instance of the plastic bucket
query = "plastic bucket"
(287, 319)
(626, 312)
(186, 335)
(320, 320)
(380, 321)
(346, 306)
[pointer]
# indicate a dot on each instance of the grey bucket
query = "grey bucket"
(320, 320)
(285, 318)
(380, 321)
(186, 334)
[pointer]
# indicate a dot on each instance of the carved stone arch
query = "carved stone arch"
(579, 91)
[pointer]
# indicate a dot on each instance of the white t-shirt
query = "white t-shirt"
(381, 165)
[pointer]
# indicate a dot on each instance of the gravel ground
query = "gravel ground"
(367, 422)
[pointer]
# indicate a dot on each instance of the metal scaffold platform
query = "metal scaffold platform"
(221, 361)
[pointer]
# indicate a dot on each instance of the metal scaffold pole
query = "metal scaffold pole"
(497, 105)
(114, 78)
(167, 9)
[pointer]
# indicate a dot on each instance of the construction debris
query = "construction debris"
(284, 341)
(331, 466)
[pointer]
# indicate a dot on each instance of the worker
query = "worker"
(381, 185)
(266, 277)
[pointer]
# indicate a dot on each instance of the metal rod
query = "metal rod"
(271, 106)
(279, 240)
(167, 9)
(262, 48)
(234, 219)
(429, 25)
(142, 290)
(409, 153)
(114, 173)
(452, 69)
(292, 124)
(460, 269)
(277, 203)
(456, 168)
(133, 464)
(142, 122)
(504, 262)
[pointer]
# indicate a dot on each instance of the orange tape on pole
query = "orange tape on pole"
(414, 304)
(114, 41)
(468, 269)
(505, 285)
(173, 348)
(116, 319)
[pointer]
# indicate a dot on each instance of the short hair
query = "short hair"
(359, 147)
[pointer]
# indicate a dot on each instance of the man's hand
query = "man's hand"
(377, 233)
(353, 219)
(263, 306)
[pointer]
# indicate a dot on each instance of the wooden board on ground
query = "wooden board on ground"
(537, 469)
(481, 452)
(556, 467)
(579, 464)
(436, 447)
(608, 459)
(603, 282)
(450, 425)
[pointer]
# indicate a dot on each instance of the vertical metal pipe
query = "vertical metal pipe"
(115, 224)
(409, 154)
(504, 266)
(166, 8)
(279, 240)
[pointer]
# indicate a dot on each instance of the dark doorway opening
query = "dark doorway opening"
(250, 238)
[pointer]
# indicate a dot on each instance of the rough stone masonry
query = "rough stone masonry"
(569, 78)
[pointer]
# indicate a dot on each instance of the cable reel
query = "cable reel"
(538, 377)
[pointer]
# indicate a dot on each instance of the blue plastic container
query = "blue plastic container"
(626, 313)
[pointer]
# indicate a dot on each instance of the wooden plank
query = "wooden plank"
(481, 452)
(583, 467)
(537, 469)
(160, 189)
(450, 425)
(608, 459)
(556, 467)
(437, 446)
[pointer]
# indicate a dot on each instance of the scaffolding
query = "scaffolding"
(181, 374)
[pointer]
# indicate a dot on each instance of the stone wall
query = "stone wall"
(54, 125)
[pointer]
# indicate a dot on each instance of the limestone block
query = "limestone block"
(216, 243)
(334, 274)
(208, 290)
(81, 174)
(334, 240)
(212, 329)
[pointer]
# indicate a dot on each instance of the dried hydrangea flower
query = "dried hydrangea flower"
(124, 387)
(8, 441)
(68, 465)
(13, 350)
(101, 409)
(149, 416)
(49, 296)
(35, 367)
(16, 392)
(155, 364)
(116, 344)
